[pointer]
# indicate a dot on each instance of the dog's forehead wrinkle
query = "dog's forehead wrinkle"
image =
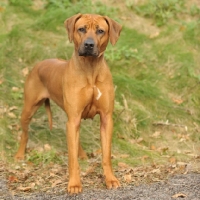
(92, 21)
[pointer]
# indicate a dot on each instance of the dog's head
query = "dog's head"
(91, 33)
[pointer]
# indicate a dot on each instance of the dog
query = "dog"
(81, 86)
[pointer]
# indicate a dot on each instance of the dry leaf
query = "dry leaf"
(32, 185)
(163, 149)
(97, 152)
(20, 60)
(156, 134)
(145, 157)
(156, 171)
(47, 147)
(179, 195)
(122, 165)
(15, 89)
(139, 140)
(128, 178)
(89, 170)
(25, 71)
(154, 35)
(152, 147)
(172, 160)
(12, 179)
(56, 183)
(24, 189)
(177, 101)
(120, 136)
(1, 81)
(12, 115)
(124, 156)
(13, 108)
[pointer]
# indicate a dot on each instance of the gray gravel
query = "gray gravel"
(188, 185)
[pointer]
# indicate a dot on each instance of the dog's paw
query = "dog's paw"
(112, 182)
(74, 187)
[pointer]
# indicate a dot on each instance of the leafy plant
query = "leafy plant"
(161, 11)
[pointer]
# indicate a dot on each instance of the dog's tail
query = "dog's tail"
(49, 113)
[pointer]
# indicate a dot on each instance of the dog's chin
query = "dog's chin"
(88, 54)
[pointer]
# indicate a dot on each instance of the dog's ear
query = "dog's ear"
(114, 30)
(69, 25)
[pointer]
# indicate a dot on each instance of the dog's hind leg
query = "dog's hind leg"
(27, 113)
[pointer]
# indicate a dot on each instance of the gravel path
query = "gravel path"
(185, 187)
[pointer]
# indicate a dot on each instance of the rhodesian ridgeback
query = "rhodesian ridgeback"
(81, 86)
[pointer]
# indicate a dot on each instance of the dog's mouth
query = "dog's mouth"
(88, 53)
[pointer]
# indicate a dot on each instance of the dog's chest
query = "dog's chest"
(91, 108)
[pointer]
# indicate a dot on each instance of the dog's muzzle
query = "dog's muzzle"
(88, 48)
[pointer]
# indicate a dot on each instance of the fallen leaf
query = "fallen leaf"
(12, 115)
(20, 60)
(124, 156)
(120, 136)
(139, 140)
(128, 178)
(56, 183)
(32, 185)
(156, 134)
(12, 179)
(179, 195)
(156, 171)
(15, 89)
(177, 101)
(172, 160)
(154, 35)
(122, 165)
(163, 149)
(13, 108)
(1, 81)
(89, 170)
(25, 71)
(97, 152)
(24, 189)
(152, 147)
(47, 147)
(145, 157)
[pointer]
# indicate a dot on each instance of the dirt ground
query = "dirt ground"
(185, 187)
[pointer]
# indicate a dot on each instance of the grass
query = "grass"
(157, 80)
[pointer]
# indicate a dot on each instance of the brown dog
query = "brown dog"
(81, 86)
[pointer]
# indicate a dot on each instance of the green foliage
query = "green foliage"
(194, 10)
(148, 74)
(161, 11)
(57, 11)
(191, 33)
(44, 157)
(20, 3)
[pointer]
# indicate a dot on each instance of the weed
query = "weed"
(44, 157)
(161, 11)
(194, 10)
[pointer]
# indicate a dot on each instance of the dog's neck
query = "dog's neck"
(88, 62)
(90, 66)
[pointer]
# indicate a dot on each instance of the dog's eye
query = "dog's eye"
(100, 31)
(82, 30)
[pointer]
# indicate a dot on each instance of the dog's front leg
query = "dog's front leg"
(74, 185)
(106, 139)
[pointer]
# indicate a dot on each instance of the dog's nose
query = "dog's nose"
(89, 44)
